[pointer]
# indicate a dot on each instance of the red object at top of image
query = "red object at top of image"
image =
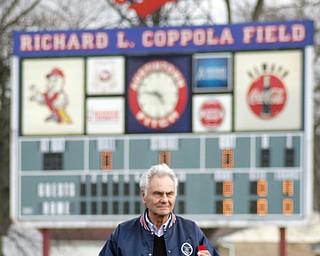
(146, 7)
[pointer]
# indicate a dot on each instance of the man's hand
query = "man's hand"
(204, 253)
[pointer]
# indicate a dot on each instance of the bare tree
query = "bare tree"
(12, 14)
(32, 15)
(245, 9)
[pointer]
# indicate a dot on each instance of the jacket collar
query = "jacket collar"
(143, 221)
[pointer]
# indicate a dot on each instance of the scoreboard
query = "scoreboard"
(228, 107)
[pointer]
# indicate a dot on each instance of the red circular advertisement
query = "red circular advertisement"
(211, 114)
(158, 94)
(267, 96)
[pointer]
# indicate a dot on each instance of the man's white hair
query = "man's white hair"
(161, 170)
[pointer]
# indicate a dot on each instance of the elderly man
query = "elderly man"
(158, 231)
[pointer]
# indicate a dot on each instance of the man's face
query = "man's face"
(161, 196)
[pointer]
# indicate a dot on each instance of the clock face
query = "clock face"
(157, 94)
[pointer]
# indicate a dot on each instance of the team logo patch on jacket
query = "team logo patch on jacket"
(186, 249)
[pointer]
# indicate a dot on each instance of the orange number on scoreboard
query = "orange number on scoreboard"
(165, 157)
(227, 158)
(262, 188)
(227, 206)
(106, 160)
(262, 206)
(288, 187)
(227, 189)
(287, 206)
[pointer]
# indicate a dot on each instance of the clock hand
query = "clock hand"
(160, 97)
(156, 94)
(153, 93)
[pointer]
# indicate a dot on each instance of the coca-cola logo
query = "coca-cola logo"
(267, 96)
(211, 114)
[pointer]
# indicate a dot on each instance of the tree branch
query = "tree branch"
(22, 14)
(7, 12)
(257, 10)
(228, 10)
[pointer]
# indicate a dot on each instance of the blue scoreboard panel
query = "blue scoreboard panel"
(228, 107)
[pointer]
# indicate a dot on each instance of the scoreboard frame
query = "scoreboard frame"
(221, 184)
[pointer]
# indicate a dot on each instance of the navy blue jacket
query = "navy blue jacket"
(134, 238)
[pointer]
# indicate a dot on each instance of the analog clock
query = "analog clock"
(158, 94)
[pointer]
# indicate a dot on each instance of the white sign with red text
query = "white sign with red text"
(212, 113)
(105, 115)
(268, 90)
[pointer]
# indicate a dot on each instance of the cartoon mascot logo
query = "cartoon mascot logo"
(54, 97)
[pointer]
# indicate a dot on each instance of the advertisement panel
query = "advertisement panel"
(268, 90)
(212, 72)
(52, 96)
(105, 115)
(105, 75)
(212, 113)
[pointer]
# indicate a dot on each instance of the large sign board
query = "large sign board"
(228, 107)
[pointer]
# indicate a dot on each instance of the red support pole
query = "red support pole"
(46, 241)
(282, 242)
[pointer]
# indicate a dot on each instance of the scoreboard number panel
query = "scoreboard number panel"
(217, 192)
(231, 118)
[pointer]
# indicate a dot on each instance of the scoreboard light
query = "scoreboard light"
(94, 208)
(287, 206)
(93, 189)
(227, 158)
(288, 187)
(289, 157)
(83, 189)
(165, 157)
(265, 157)
(227, 205)
(52, 161)
(262, 187)
(262, 206)
(227, 188)
(104, 207)
(106, 160)
(104, 186)
(83, 208)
